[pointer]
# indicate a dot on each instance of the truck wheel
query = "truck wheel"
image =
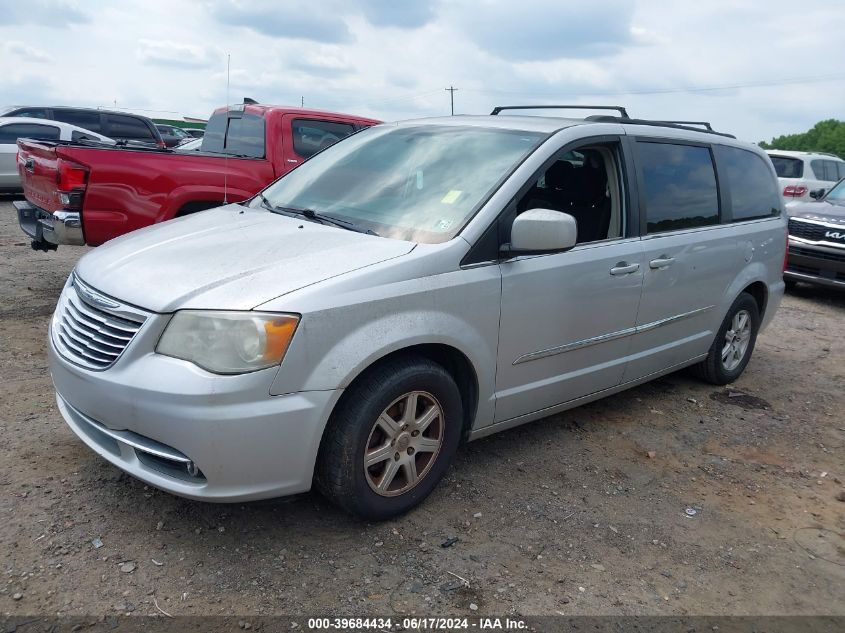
(391, 439)
(731, 350)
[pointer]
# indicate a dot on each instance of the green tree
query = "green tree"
(824, 136)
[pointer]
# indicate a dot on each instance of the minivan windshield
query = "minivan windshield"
(420, 183)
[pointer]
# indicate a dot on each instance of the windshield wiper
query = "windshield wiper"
(319, 217)
(266, 203)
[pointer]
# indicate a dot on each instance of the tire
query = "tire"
(717, 370)
(371, 415)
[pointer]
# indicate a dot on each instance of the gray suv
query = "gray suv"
(412, 286)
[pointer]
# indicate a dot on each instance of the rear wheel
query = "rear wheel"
(731, 350)
(391, 438)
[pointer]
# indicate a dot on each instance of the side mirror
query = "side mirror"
(817, 194)
(539, 231)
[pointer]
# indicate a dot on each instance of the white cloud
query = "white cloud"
(169, 53)
(26, 53)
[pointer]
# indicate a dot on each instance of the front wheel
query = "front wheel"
(391, 438)
(731, 350)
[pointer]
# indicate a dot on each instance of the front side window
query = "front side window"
(679, 186)
(420, 183)
(9, 134)
(754, 191)
(787, 167)
(310, 135)
(584, 183)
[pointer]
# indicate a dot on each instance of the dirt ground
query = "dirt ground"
(581, 513)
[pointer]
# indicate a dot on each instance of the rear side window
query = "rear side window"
(679, 186)
(310, 136)
(80, 118)
(788, 167)
(119, 126)
(754, 191)
(239, 135)
(827, 170)
(9, 134)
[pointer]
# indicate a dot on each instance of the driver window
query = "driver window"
(584, 183)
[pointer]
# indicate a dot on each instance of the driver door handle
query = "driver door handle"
(624, 268)
(661, 262)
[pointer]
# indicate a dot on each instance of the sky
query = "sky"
(756, 69)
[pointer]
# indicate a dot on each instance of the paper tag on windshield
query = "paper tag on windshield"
(451, 197)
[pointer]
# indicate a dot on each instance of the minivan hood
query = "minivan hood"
(229, 258)
(821, 211)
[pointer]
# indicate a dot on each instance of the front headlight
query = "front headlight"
(228, 342)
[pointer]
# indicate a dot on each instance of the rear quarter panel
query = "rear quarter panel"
(762, 248)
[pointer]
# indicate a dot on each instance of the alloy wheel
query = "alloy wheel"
(404, 443)
(737, 338)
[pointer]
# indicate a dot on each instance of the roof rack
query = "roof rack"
(677, 125)
(623, 113)
(703, 124)
(692, 126)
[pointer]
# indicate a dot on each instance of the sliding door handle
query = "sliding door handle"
(624, 268)
(661, 262)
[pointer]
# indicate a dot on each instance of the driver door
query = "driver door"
(567, 318)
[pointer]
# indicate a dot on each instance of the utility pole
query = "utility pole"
(302, 101)
(451, 92)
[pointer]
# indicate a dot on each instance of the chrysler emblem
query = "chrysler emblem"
(95, 297)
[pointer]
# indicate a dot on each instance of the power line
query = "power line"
(402, 98)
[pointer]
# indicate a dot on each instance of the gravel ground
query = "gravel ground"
(580, 513)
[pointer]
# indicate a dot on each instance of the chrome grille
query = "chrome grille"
(815, 232)
(91, 329)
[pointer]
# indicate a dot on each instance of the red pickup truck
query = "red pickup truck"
(88, 193)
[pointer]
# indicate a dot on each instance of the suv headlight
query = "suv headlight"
(228, 342)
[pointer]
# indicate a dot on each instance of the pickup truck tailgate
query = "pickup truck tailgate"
(38, 167)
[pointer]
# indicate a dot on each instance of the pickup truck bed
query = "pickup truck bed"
(88, 194)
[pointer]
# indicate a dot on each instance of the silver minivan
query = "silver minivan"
(415, 285)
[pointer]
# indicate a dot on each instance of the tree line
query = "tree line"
(824, 136)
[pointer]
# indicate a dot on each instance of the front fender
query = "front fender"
(334, 346)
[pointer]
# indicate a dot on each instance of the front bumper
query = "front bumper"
(192, 433)
(50, 229)
(816, 264)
